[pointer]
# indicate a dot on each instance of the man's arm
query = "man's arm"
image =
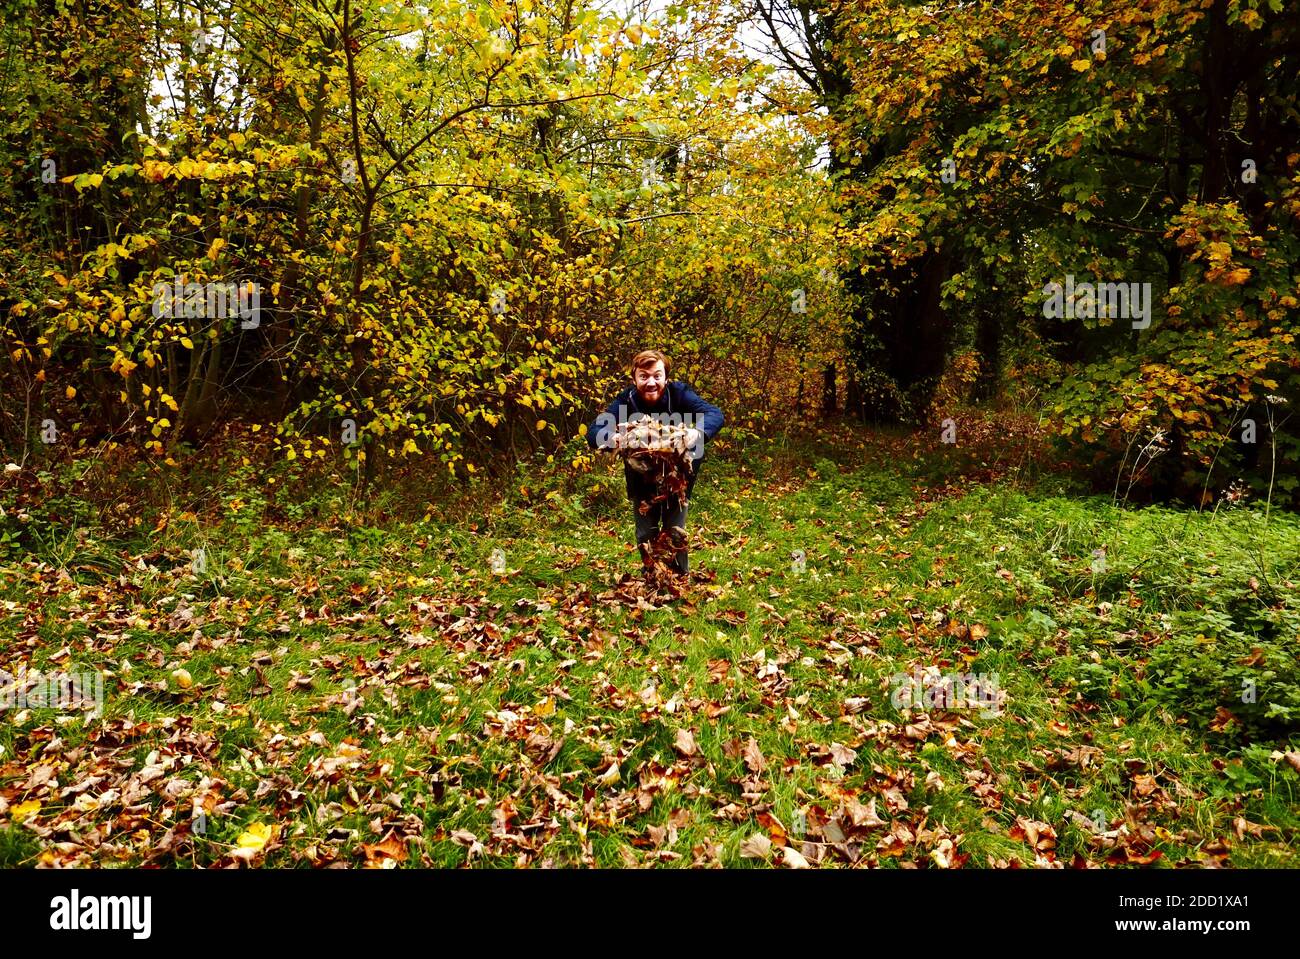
(601, 432)
(708, 419)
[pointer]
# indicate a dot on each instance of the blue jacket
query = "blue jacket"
(678, 398)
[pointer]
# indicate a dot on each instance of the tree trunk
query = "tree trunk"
(830, 401)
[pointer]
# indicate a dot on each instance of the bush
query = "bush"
(1254, 679)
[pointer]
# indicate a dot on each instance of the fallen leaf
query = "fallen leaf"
(792, 859)
(1144, 785)
(388, 848)
(1039, 835)
(24, 809)
(863, 816)
(756, 846)
(251, 843)
(685, 743)
(842, 755)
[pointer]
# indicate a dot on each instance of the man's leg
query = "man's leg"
(675, 522)
(676, 517)
(647, 528)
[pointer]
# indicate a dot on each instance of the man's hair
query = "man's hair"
(648, 358)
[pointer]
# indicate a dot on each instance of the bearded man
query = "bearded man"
(670, 403)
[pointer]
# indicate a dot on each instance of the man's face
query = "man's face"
(650, 382)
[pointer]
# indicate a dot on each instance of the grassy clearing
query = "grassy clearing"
(380, 697)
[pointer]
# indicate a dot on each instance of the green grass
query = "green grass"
(1123, 682)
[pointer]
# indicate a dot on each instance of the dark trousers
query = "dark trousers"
(671, 512)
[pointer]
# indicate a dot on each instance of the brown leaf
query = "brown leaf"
(864, 817)
(390, 847)
(1243, 828)
(894, 799)
(792, 859)
(754, 756)
(1144, 785)
(685, 743)
(812, 852)
(775, 831)
(1127, 855)
(842, 755)
(756, 846)
(1254, 659)
(1040, 836)
(658, 835)
(1222, 719)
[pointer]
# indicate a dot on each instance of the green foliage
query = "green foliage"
(460, 225)
(1002, 148)
(1158, 607)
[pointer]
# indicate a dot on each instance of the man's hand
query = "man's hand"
(694, 440)
(618, 438)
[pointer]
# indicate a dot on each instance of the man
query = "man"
(671, 403)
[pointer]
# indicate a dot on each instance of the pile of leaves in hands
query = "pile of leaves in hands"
(661, 455)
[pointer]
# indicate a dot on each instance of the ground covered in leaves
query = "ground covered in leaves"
(316, 695)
